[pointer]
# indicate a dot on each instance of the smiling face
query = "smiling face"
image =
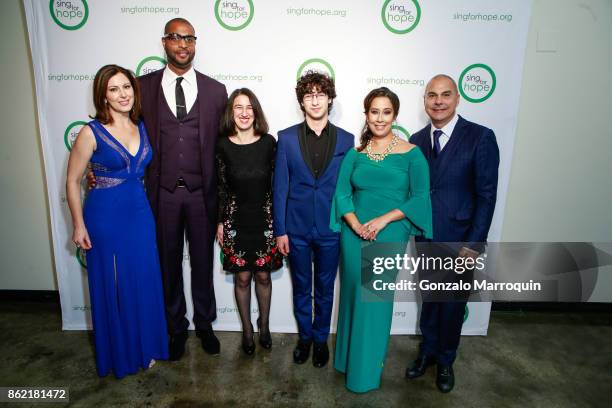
(119, 94)
(243, 114)
(380, 116)
(179, 53)
(316, 104)
(441, 100)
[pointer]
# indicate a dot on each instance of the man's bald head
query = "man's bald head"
(443, 77)
(177, 20)
(441, 99)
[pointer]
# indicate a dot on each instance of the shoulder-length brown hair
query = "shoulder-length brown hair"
(227, 126)
(366, 133)
(100, 85)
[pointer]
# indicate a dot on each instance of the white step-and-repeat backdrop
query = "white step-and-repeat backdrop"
(265, 45)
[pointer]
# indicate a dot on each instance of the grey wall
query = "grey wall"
(561, 182)
(560, 187)
(25, 236)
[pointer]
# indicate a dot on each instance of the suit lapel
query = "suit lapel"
(333, 148)
(156, 101)
(449, 151)
(301, 131)
(205, 106)
(426, 145)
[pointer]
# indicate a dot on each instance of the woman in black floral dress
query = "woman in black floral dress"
(245, 163)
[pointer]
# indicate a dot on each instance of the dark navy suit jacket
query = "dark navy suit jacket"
(302, 201)
(463, 183)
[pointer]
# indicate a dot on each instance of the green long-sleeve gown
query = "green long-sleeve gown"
(371, 189)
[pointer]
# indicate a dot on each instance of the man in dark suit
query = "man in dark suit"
(463, 162)
(307, 162)
(181, 109)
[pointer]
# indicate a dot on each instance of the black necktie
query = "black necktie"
(437, 148)
(181, 109)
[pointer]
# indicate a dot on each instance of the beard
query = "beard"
(173, 60)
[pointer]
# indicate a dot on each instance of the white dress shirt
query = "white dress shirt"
(447, 131)
(189, 84)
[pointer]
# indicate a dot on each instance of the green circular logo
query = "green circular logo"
(401, 16)
(477, 83)
(317, 65)
(234, 15)
(466, 314)
(150, 64)
(81, 258)
(71, 133)
(401, 132)
(69, 14)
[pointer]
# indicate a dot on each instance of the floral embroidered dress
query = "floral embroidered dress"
(245, 205)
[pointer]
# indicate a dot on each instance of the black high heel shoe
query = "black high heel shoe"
(265, 339)
(248, 343)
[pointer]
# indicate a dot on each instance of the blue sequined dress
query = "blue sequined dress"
(125, 284)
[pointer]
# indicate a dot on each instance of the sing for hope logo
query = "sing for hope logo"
(81, 258)
(150, 64)
(477, 83)
(69, 14)
(401, 16)
(316, 65)
(401, 132)
(234, 15)
(71, 133)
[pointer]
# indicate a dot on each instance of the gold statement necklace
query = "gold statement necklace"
(377, 157)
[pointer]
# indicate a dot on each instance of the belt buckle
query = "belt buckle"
(180, 182)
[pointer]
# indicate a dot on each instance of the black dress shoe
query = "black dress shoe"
(265, 339)
(176, 346)
(210, 343)
(445, 378)
(301, 352)
(320, 355)
(419, 367)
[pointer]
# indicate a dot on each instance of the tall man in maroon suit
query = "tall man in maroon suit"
(181, 109)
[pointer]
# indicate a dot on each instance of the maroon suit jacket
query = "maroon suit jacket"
(212, 98)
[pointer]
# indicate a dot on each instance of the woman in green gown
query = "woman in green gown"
(382, 194)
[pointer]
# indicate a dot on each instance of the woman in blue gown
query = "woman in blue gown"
(117, 230)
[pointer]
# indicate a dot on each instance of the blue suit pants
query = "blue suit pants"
(324, 252)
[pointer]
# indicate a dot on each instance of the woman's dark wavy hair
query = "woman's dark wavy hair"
(100, 86)
(227, 126)
(312, 79)
(366, 134)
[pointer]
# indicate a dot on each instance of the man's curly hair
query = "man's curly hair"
(315, 80)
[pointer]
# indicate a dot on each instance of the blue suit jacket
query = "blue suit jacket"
(302, 201)
(463, 183)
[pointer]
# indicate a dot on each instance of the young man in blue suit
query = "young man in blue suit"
(463, 161)
(307, 162)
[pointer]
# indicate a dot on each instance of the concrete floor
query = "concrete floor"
(530, 359)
